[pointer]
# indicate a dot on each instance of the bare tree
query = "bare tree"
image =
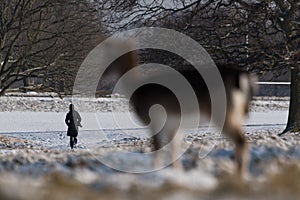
(285, 17)
(45, 39)
(257, 35)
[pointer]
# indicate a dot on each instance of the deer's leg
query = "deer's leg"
(233, 129)
(176, 149)
(158, 157)
(241, 149)
(166, 144)
(234, 120)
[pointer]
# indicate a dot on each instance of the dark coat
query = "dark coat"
(73, 120)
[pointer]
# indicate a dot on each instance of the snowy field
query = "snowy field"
(16, 122)
(37, 163)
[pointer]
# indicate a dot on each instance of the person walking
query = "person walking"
(73, 121)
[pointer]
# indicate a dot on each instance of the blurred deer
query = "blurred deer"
(239, 88)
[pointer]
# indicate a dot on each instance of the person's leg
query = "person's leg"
(71, 142)
(75, 140)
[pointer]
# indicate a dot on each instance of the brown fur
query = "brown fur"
(239, 87)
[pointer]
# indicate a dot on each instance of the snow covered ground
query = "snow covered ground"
(54, 121)
(37, 163)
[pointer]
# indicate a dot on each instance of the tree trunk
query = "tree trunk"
(293, 124)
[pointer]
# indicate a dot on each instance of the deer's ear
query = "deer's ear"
(253, 84)
(124, 62)
(124, 57)
(247, 84)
